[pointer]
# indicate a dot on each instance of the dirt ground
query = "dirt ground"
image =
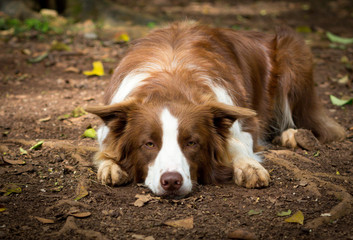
(39, 188)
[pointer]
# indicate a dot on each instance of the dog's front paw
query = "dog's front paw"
(110, 173)
(250, 174)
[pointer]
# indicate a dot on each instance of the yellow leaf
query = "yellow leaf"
(2, 209)
(98, 69)
(10, 188)
(123, 37)
(337, 172)
(298, 217)
(81, 192)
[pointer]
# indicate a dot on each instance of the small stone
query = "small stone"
(90, 35)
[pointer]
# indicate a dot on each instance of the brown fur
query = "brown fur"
(259, 71)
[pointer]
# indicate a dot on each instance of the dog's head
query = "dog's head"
(170, 147)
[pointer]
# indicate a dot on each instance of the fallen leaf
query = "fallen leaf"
(98, 69)
(37, 145)
(337, 39)
(340, 102)
(57, 189)
(187, 223)
(142, 199)
(343, 80)
(303, 29)
(39, 58)
(344, 59)
(26, 51)
(297, 217)
(284, 213)
(121, 37)
(46, 119)
(317, 154)
(242, 234)
(59, 46)
(10, 188)
(2, 209)
(337, 172)
(44, 220)
(90, 133)
(78, 112)
(15, 162)
(64, 116)
(254, 212)
(72, 69)
(81, 214)
(325, 214)
(81, 192)
(142, 237)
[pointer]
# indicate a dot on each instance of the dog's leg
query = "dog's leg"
(297, 102)
(248, 172)
(109, 172)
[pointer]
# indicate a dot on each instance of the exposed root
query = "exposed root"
(68, 202)
(277, 157)
(70, 226)
(345, 207)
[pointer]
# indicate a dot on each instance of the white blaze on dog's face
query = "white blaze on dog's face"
(169, 173)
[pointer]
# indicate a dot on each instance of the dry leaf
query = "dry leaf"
(298, 217)
(72, 69)
(81, 214)
(15, 162)
(142, 199)
(81, 192)
(142, 237)
(254, 212)
(44, 119)
(187, 223)
(44, 220)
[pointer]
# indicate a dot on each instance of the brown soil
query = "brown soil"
(315, 182)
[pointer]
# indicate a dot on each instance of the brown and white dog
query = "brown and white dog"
(190, 103)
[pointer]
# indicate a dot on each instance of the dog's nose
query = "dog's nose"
(171, 181)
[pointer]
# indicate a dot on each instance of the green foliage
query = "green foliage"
(41, 25)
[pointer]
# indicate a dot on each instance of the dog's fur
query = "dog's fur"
(192, 102)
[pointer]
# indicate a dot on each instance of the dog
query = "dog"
(191, 104)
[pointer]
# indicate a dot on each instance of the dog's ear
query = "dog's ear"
(114, 112)
(225, 115)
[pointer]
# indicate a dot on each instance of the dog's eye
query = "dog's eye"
(150, 145)
(191, 144)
